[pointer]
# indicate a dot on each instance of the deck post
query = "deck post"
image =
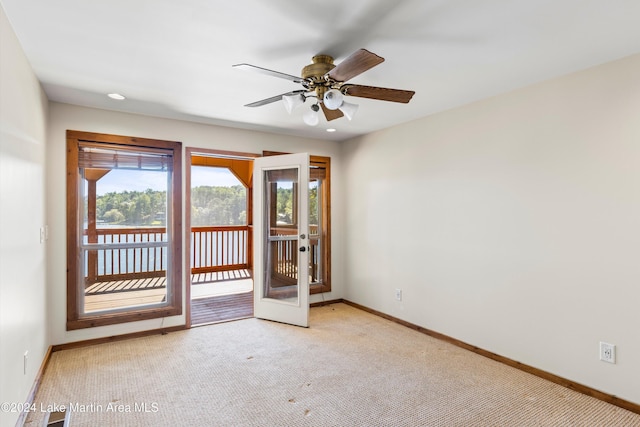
(92, 176)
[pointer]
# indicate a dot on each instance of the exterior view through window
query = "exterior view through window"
(129, 234)
(315, 231)
(122, 229)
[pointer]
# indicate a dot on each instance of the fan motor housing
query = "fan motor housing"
(314, 74)
(322, 64)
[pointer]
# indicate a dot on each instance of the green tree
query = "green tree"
(218, 205)
(132, 207)
(113, 216)
(313, 206)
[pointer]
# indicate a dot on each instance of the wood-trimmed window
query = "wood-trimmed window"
(124, 229)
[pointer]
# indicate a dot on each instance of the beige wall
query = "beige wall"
(23, 317)
(64, 116)
(512, 224)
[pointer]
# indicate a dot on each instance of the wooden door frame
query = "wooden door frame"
(194, 151)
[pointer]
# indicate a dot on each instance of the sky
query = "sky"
(119, 180)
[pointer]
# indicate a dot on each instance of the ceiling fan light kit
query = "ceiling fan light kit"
(325, 81)
(333, 99)
(348, 109)
(292, 101)
(312, 116)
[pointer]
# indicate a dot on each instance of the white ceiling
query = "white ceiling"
(174, 58)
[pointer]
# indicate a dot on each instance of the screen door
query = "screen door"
(281, 238)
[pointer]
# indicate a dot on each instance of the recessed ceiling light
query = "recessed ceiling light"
(331, 130)
(116, 96)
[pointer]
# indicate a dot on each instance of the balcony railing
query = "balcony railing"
(142, 252)
(131, 253)
(219, 248)
(285, 263)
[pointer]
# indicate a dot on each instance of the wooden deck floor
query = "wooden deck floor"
(234, 303)
(204, 310)
(124, 299)
(220, 276)
(112, 286)
(222, 308)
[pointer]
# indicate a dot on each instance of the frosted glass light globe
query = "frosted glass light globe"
(333, 99)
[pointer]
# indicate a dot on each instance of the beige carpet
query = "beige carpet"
(350, 368)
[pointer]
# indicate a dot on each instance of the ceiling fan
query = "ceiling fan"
(327, 83)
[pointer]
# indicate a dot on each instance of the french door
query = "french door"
(281, 238)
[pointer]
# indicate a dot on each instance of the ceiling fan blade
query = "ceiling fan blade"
(269, 72)
(357, 63)
(381, 93)
(274, 98)
(331, 114)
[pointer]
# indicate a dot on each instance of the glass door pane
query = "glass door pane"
(281, 244)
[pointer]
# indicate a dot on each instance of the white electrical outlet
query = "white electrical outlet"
(398, 294)
(607, 352)
(26, 357)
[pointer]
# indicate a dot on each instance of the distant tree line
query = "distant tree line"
(285, 205)
(132, 207)
(218, 206)
(209, 206)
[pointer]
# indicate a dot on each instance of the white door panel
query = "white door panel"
(281, 238)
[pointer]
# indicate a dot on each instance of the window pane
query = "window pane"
(131, 198)
(125, 249)
(315, 232)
